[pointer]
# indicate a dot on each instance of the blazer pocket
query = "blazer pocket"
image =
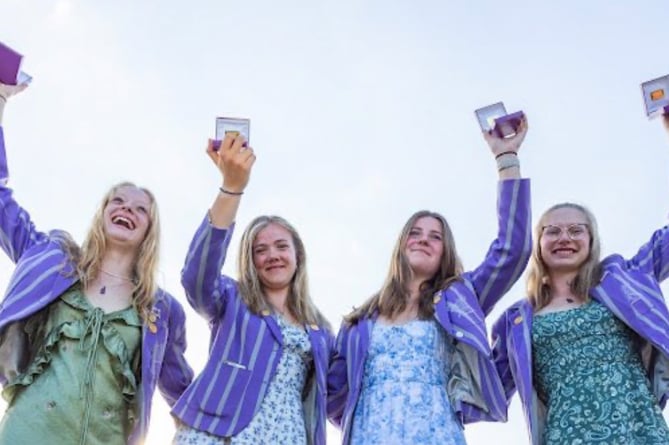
(221, 398)
(640, 305)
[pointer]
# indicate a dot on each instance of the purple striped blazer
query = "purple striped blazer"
(244, 350)
(631, 290)
(474, 389)
(42, 274)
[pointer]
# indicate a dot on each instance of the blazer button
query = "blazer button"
(518, 320)
(459, 334)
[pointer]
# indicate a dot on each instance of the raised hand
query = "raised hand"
(7, 91)
(234, 159)
(500, 145)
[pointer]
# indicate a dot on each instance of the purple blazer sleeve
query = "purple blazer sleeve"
(206, 289)
(511, 250)
(653, 257)
(500, 356)
(175, 374)
(17, 231)
(338, 384)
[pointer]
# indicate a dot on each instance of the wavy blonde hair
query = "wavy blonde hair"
(251, 289)
(88, 257)
(391, 300)
(589, 274)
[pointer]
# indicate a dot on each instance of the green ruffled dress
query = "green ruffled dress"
(589, 374)
(80, 386)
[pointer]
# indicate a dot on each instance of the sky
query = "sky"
(362, 112)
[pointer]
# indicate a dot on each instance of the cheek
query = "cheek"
(257, 260)
(409, 242)
(292, 259)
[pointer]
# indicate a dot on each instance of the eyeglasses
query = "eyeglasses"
(574, 231)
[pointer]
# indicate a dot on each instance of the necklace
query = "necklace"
(570, 300)
(103, 289)
(115, 276)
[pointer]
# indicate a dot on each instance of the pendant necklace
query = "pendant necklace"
(103, 289)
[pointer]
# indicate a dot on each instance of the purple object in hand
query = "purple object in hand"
(10, 65)
(507, 125)
(217, 144)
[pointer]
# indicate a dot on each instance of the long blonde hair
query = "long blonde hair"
(589, 274)
(252, 292)
(392, 298)
(88, 257)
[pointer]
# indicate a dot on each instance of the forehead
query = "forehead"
(272, 233)
(133, 193)
(565, 216)
(428, 223)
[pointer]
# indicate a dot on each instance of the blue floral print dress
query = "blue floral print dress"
(280, 419)
(589, 375)
(403, 398)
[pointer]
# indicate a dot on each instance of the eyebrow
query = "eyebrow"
(280, 240)
(142, 201)
(431, 231)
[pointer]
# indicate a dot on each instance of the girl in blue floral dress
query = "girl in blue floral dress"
(405, 378)
(412, 365)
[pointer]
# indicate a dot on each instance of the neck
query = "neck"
(560, 283)
(413, 300)
(115, 264)
(277, 298)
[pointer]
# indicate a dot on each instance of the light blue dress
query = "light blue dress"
(403, 399)
(280, 419)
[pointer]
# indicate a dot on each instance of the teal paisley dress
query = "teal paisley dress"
(589, 375)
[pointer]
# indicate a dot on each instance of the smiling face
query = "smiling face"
(424, 247)
(565, 240)
(127, 216)
(274, 257)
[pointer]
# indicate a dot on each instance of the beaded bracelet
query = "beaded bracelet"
(507, 161)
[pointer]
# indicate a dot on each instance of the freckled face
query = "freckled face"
(274, 257)
(425, 246)
(565, 240)
(126, 216)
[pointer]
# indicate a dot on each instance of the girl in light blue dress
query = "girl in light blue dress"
(412, 365)
(403, 396)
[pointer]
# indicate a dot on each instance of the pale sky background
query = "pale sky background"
(361, 113)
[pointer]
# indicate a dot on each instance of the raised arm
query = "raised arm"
(510, 251)
(201, 276)
(653, 256)
(17, 231)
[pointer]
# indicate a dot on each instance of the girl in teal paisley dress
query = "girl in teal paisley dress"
(588, 350)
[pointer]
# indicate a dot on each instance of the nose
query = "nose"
(272, 255)
(563, 236)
